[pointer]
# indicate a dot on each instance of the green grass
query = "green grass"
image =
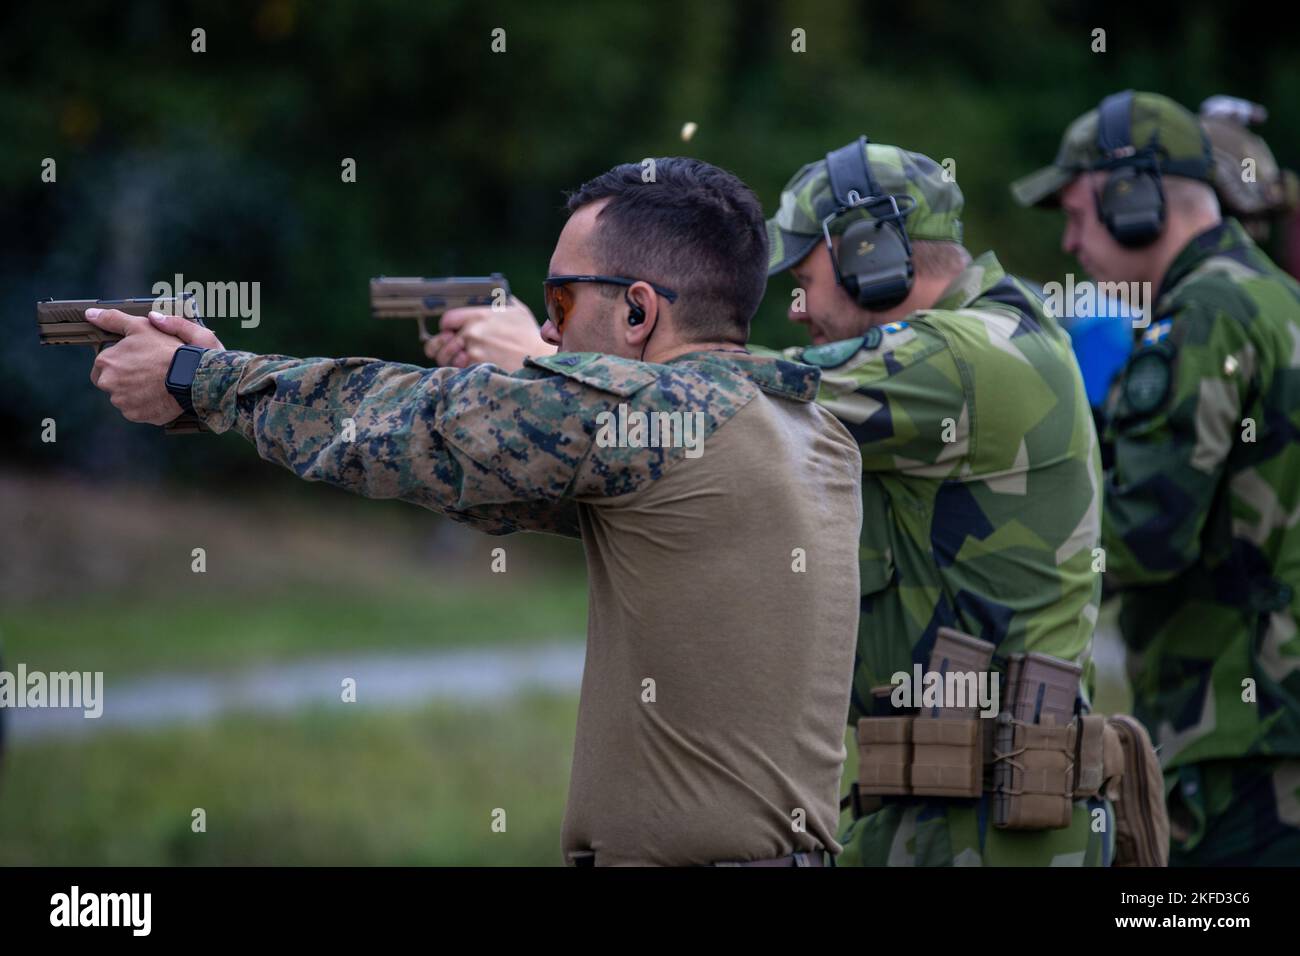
(126, 637)
(327, 786)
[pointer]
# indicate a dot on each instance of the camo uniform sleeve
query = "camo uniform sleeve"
(905, 402)
(1174, 418)
(493, 450)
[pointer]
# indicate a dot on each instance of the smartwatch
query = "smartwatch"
(181, 375)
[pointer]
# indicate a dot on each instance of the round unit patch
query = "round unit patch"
(1147, 380)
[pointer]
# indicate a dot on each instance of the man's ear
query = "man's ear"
(641, 314)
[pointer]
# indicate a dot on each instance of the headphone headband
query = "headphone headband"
(850, 174)
(1115, 141)
(1114, 127)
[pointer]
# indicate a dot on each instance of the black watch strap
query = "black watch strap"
(180, 376)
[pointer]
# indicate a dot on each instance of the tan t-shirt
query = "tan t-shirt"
(722, 624)
(724, 585)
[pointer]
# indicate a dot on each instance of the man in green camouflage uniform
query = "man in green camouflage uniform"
(1199, 523)
(981, 484)
(710, 724)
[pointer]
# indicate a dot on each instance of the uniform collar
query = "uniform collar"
(1227, 236)
(775, 375)
(976, 279)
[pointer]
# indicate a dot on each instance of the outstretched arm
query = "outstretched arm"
(494, 450)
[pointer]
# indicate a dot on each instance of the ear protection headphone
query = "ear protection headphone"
(874, 262)
(1132, 202)
(636, 314)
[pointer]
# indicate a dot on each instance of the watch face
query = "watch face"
(184, 364)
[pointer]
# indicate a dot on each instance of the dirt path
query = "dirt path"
(382, 680)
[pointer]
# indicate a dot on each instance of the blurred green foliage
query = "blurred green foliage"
(322, 787)
(225, 165)
(126, 638)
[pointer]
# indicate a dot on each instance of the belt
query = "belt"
(794, 859)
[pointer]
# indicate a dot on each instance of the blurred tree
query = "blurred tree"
(225, 165)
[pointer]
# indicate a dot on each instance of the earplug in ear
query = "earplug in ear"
(636, 314)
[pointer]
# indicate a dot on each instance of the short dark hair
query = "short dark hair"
(690, 226)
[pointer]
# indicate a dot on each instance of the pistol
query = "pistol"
(420, 299)
(63, 322)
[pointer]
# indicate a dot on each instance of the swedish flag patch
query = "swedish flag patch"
(1158, 331)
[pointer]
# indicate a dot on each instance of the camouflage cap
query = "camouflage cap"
(807, 199)
(1156, 121)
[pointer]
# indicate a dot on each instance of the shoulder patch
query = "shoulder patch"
(1147, 379)
(609, 373)
(837, 353)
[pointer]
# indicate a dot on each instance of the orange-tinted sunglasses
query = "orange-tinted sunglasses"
(559, 300)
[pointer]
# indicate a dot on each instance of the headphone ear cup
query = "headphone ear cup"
(1132, 206)
(874, 263)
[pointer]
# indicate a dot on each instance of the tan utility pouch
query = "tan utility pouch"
(1134, 782)
(947, 757)
(884, 754)
(1089, 764)
(1034, 776)
(920, 756)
